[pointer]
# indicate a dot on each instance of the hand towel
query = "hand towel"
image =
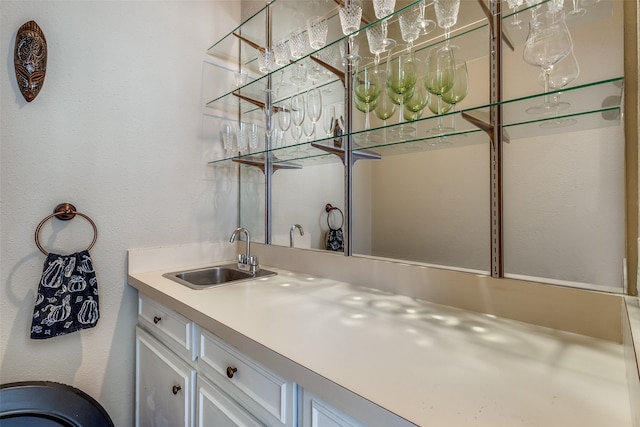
(67, 298)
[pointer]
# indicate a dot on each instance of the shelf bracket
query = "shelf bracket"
(334, 70)
(257, 103)
(249, 42)
(338, 150)
(482, 120)
(259, 162)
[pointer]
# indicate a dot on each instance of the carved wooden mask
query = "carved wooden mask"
(30, 60)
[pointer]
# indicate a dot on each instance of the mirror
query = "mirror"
(428, 201)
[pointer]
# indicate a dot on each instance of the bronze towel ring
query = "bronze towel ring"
(329, 208)
(65, 212)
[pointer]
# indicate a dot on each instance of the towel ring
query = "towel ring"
(65, 212)
(329, 208)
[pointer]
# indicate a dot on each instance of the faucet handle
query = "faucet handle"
(252, 261)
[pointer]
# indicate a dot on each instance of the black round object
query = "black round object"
(49, 404)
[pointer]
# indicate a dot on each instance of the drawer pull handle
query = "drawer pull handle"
(156, 319)
(231, 370)
(176, 389)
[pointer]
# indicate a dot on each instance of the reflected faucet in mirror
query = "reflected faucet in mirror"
(246, 262)
(291, 232)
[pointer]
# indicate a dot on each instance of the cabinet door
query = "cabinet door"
(316, 413)
(164, 385)
(216, 409)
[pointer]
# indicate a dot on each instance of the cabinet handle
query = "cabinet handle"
(231, 370)
(156, 319)
(176, 389)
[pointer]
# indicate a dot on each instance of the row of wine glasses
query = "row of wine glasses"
(241, 137)
(578, 8)
(439, 84)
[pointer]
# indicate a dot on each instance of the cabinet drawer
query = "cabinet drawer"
(266, 395)
(172, 329)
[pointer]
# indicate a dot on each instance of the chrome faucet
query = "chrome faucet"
(293, 229)
(246, 262)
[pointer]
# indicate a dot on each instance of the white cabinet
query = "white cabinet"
(187, 377)
(165, 385)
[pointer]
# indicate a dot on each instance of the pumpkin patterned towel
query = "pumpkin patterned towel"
(67, 298)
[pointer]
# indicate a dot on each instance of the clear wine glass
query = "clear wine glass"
(577, 10)
(376, 40)
(514, 5)
(401, 75)
(297, 115)
(284, 120)
(350, 16)
(382, 10)
(446, 14)
(317, 29)
(329, 120)
(563, 73)
(548, 42)
(228, 135)
(314, 106)
(426, 25)
(439, 76)
(459, 90)
(297, 43)
(281, 54)
(410, 25)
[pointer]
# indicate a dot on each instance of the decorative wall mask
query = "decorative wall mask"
(30, 60)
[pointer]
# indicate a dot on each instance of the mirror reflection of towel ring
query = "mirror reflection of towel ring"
(65, 212)
(329, 208)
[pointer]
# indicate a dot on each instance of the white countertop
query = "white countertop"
(430, 364)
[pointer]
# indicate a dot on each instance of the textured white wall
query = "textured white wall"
(118, 130)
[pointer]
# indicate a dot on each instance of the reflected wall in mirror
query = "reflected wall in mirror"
(427, 199)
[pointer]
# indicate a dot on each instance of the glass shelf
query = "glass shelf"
(593, 105)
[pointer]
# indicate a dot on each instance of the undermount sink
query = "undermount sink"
(203, 278)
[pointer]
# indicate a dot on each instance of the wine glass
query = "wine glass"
(563, 73)
(446, 14)
(416, 103)
(314, 106)
(366, 87)
(577, 10)
(426, 25)
(549, 41)
(385, 108)
(409, 25)
(329, 120)
(284, 120)
(317, 29)
(297, 115)
(297, 43)
(439, 76)
(228, 134)
(515, 4)
(459, 90)
(350, 16)
(382, 10)
(281, 53)
(401, 75)
(376, 40)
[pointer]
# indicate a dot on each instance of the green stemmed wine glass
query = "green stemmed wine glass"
(401, 75)
(439, 76)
